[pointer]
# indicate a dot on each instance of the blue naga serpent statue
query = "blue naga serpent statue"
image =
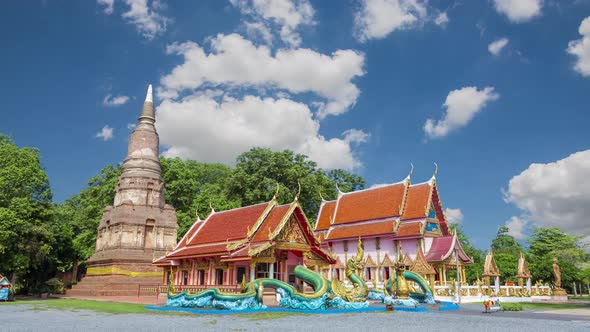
(326, 294)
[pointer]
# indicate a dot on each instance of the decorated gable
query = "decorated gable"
(291, 232)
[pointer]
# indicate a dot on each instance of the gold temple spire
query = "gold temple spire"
(276, 194)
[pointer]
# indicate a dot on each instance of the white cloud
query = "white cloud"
(496, 47)
(148, 22)
(210, 128)
(555, 194)
(259, 30)
(112, 101)
(442, 19)
(109, 5)
(131, 126)
(581, 48)
(517, 227)
(379, 18)
(106, 133)
(286, 15)
(145, 18)
(236, 62)
(519, 11)
(454, 215)
(461, 106)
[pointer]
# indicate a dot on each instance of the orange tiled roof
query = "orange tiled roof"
(270, 223)
(189, 234)
(370, 204)
(325, 216)
(229, 225)
(417, 201)
(199, 251)
(409, 229)
(364, 229)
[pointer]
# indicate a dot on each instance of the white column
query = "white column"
(271, 270)
(252, 271)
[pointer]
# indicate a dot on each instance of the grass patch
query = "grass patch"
(580, 298)
(528, 305)
(72, 304)
(269, 315)
(515, 306)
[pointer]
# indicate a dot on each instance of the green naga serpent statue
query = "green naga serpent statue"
(325, 294)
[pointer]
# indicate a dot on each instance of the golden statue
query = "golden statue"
(556, 273)
(354, 271)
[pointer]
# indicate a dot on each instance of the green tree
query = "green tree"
(26, 239)
(80, 215)
(505, 243)
(192, 187)
(258, 171)
(474, 270)
(550, 242)
(506, 253)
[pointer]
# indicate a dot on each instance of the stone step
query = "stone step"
(97, 292)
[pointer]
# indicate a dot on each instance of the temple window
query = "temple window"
(385, 273)
(241, 273)
(185, 277)
(200, 277)
(219, 276)
(369, 277)
(262, 270)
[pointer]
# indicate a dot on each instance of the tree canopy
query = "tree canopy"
(26, 234)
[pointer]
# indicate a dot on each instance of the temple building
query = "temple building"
(139, 225)
(398, 223)
(266, 240)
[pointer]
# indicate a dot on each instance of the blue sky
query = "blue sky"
(496, 92)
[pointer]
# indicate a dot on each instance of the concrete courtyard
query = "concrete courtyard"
(25, 317)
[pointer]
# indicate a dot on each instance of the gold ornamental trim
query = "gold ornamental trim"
(96, 271)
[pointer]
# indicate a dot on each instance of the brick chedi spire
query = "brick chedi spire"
(141, 181)
(139, 225)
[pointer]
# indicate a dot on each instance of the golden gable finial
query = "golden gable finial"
(298, 190)
(435, 170)
(411, 171)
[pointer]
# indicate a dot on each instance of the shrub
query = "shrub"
(515, 306)
(55, 285)
(71, 283)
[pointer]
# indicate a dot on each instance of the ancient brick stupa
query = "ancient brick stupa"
(139, 225)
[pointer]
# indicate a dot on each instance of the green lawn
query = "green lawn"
(72, 304)
(528, 305)
(124, 308)
(580, 298)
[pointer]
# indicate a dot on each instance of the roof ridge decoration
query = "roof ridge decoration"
(387, 261)
(251, 231)
(490, 268)
(276, 194)
(369, 262)
(402, 208)
(410, 173)
(298, 190)
(338, 264)
(420, 265)
(285, 219)
(407, 260)
(523, 268)
(435, 171)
